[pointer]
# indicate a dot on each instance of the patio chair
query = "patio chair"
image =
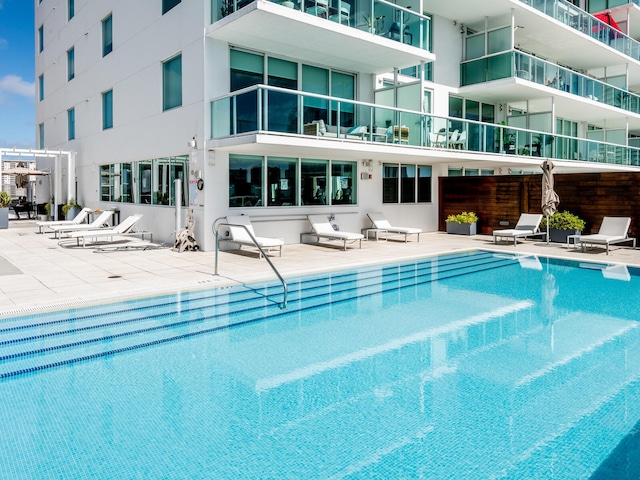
(528, 226)
(77, 220)
(379, 222)
(612, 230)
(124, 228)
(240, 235)
(322, 228)
(100, 222)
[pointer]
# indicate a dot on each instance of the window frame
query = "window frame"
(107, 109)
(107, 34)
(71, 123)
(401, 189)
(168, 5)
(71, 9)
(71, 64)
(168, 102)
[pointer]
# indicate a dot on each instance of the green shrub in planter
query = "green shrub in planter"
(5, 199)
(462, 224)
(71, 209)
(561, 225)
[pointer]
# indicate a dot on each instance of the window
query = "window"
(41, 135)
(313, 180)
(71, 68)
(41, 88)
(107, 110)
(107, 35)
(172, 83)
(343, 188)
(406, 183)
(168, 5)
(71, 123)
(71, 9)
(245, 180)
(40, 39)
(315, 80)
(282, 181)
(246, 69)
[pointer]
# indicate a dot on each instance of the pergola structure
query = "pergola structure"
(62, 160)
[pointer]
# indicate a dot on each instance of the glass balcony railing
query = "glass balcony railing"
(379, 17)
(581, 21)
(277, 110)
(534, 69)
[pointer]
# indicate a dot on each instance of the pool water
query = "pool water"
(473, 365)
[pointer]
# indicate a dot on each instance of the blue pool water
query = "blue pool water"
(466, 366)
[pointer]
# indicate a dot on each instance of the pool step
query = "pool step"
(34, 343)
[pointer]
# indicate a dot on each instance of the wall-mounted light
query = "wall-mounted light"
(193, 143)
(517, 27)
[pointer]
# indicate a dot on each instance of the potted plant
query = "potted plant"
(5, 201)
(561, 225)
(464, 223)
(71, 209)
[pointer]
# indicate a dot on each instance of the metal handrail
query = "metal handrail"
(262, 252)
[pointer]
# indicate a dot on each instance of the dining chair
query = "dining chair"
(319, 8)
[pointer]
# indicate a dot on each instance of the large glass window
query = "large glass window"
(116, 183)
(283, 107)
(247, 69)
(315, 80)
(245, 180)
(165, 172)
(71, 123)
(282, 180)
(343, 184)
(107, 110)
(71, 9)
(172, 83)
(107, 35)
(344, 86)
(168, 5)
(71, 68)
(313, 179)
(406, 183)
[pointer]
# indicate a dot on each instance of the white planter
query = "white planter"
(4, 217)
(461, 228)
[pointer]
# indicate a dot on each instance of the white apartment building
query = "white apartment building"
(280, 109)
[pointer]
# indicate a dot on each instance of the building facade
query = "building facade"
(340, 107)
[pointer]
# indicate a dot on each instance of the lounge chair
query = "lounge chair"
(528, 226)
(77, 220)
(380, 223)
(322, 228)
(99, 222)
(613, 230)
(124, 228)
(239, 235)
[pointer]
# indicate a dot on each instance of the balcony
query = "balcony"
(523, 66)
(362, 126)
(373, 37)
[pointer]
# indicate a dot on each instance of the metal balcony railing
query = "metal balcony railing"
(263, 108)
(534, 69)
(579, 20)
(379, 17)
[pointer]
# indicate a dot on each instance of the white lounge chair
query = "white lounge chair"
(379, 222)
(239, 234)
(322, 228)
(99, 222)
(528, 226)
(124, 228)
(80, 218)
(613, 230)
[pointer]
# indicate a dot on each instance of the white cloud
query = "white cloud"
(15, 84)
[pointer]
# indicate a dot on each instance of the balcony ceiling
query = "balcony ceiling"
(539, 34)
(515, 91)
(268, 27)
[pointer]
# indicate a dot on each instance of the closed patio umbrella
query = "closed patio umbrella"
(550, 199)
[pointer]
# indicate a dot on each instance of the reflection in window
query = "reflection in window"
(144, 182)
(282, 181)
(245, 180)
(314, 181)
(389, 183)
(414, 182)
(172, 83)
(343, 187)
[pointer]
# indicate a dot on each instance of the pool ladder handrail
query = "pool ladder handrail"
(215, 227)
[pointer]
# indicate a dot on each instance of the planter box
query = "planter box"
(461, 228)
(72, 213)
(560, 236)
(4, 217)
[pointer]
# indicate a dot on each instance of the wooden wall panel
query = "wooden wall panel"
(498, 199)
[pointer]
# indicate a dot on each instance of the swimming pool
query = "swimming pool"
(472, 365)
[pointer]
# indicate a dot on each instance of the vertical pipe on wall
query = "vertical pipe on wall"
(178, 190)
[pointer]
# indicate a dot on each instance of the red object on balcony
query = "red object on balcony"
(608, 19)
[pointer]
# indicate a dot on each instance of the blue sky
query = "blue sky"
(17, 72)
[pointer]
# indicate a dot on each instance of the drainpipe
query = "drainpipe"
(178, 189)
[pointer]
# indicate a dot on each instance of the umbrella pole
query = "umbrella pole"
(547, 229)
